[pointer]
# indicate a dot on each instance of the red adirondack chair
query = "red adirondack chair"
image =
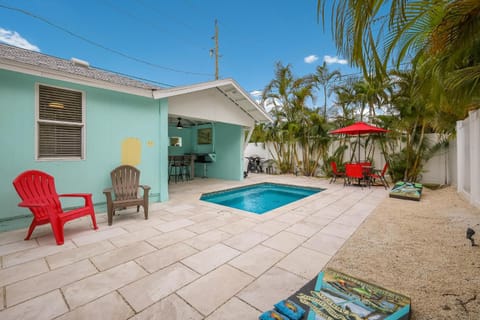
(37, 191)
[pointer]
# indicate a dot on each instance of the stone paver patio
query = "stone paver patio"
(190, 260)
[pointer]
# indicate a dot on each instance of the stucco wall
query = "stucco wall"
(229, 149)
(111, 117)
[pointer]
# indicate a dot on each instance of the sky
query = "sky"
(169, 42)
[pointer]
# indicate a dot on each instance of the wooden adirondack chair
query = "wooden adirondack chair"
(124, 191)
(37, 191)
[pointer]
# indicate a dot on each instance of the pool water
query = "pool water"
(259, 198)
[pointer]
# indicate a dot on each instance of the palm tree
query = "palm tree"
(288, 95)
(323, 77)
(346, 108)
(298, 135)
(277, 92)
(442, 34)
(413, 121)
(360, 97)
(344, 101)
(371, 92)
(313, 141)
(456, 45)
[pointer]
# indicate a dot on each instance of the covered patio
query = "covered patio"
(212, 122)
(190, 260)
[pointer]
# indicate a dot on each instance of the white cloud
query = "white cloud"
(269, 104)
(15, 39)
(256, 93)
(257, 96)
(310, 59)
(331, 60)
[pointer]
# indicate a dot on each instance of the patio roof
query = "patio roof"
(227, 88)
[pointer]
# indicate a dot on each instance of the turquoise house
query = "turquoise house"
(77, 123)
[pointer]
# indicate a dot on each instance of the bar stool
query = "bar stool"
(175, 168)
(171, 168)
(185, 169)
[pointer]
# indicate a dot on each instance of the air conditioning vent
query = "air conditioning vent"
(80, 63)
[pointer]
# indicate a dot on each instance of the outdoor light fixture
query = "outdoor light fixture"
(179, 124)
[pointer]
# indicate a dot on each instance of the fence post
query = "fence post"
(460, 156)
(474, 118)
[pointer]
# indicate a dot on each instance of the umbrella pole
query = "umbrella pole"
(359, 148)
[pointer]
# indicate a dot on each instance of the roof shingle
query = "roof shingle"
(53, 63)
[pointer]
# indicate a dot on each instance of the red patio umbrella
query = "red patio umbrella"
(358, 128)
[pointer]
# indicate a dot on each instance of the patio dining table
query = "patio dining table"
(369, 173)
(367, 169)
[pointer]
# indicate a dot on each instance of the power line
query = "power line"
(345, 77)
(173, 18)
(96, 44)
(198, 11)
(154, 25)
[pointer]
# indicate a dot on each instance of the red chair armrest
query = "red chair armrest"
(76, 195)
(86, 196)
(33, 204)
(145, 187)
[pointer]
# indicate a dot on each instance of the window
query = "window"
(175, 141)
(60, 123)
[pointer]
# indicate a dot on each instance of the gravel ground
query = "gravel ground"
(420, 249)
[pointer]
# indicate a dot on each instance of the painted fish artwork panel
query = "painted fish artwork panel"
(334, 295)
(407, 190)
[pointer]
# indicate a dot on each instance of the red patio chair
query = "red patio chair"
(355, 172)
(365, 163)
(37, 191)
(335, 172)
(380, 175)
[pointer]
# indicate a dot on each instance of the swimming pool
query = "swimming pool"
(259, 198)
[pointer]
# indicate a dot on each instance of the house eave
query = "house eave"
(10, 65)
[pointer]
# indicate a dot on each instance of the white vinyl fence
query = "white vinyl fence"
(468, 157)
(438, 170)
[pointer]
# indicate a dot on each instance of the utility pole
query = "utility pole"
(215, 51)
